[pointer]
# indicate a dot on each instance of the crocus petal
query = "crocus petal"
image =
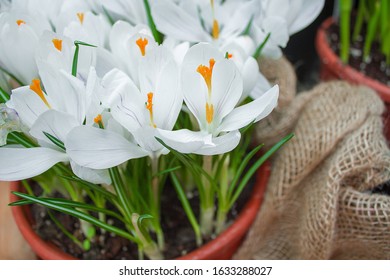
(200, 54)
(177, 23)
(93, 176)
(28, 105)
(21, 163)
(185, 141)
(67, 93)
(227, 88)
(308, 12)
(250, 75)
(145, 137)
(262, 86)
(253, 111)
(159, 74)
(100, 149)
(222, 144)
(57, 124)
(126, 102)
(278, 28)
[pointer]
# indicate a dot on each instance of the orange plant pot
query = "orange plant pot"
(221, 248)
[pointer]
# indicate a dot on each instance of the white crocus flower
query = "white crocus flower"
(63, 108)
(142, 111)
(131, 44)
(212, 87)
(207, 21)
(281, 19)
(19, 37)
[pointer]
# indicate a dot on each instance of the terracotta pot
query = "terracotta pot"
(333, 68)
(222, 247)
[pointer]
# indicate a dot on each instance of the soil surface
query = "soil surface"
(179, 236)
(374, 67)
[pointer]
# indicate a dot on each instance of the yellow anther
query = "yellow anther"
(215, 29)
(229, 55)
(81, 17)
(207, 72)
(142, 43)
(149, 107)
(99, 121)
(57, 44)
(209, 113)
(36, 87)
(19, 22)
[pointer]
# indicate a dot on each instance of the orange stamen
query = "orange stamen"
(230, 55)
(215, 29)
(36, 87)
(142, 43)
(98, 119)
(81, 17)
(149, 107)
(207, 72)
(57, 44)
(19, 22)
(209, 113)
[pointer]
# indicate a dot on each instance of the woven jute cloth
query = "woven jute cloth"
(271, 129)
(320, 202)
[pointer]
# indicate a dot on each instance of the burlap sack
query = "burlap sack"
(270, 130)
(319, 203)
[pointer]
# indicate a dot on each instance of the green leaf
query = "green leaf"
(65, 231)
(71, 204)
(90, 186)
(21, 139)
(248, 27)
(260, 48)
(120, 191)
(55, 141)
(256, 166)
(242, 166)
(187, 208)
(76, 55)
(166, 171)
(156, 34)
(371, 31)
(77, 214)
(4, 96)
(109, 17)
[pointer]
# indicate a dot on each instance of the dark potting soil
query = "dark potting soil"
(383, 189)
(375, 67)
(179, 236)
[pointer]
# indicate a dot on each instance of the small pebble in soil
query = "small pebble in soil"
(112, 234)
(356, 52)
(125, 249)
(110, 222)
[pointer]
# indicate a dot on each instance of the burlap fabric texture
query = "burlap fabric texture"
(319, 202)
(271, 129)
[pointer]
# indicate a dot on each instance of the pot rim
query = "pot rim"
(232, 235)
(346, 72)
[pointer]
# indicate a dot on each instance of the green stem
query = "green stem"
(359, 19)
(207, 210)
(120, 191)
(223, 198)
(345, 29)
